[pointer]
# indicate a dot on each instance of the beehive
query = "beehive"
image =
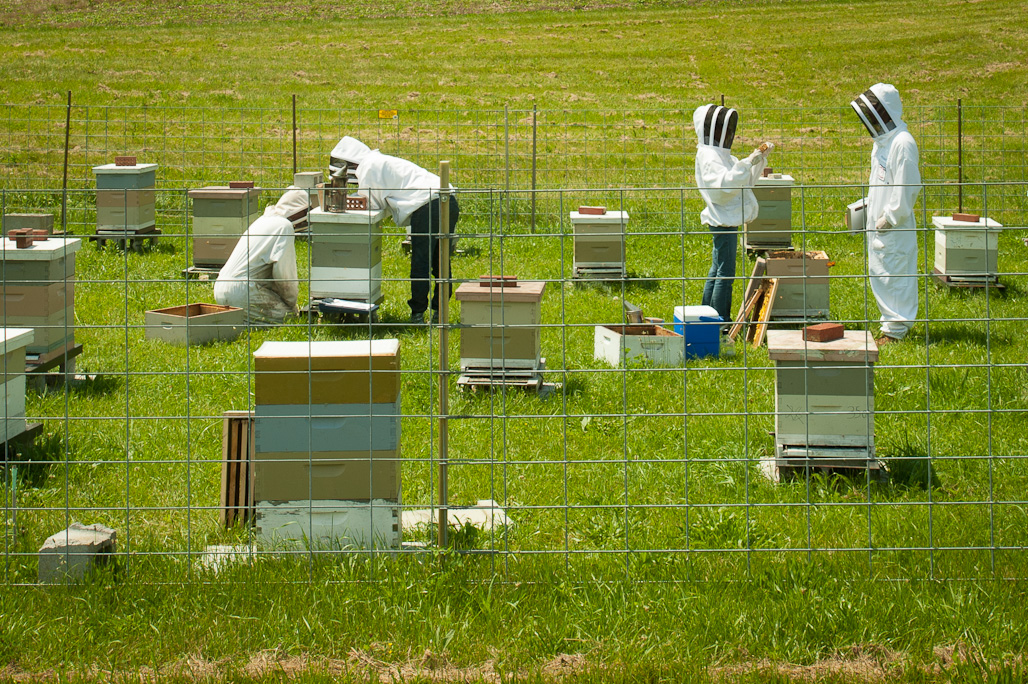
(327, 442)
(773, 226)
(220, 216)
(12, 348)
(966, 249)
(824, 391)
(802, 284)
(39, 291)
(599, 240)
(346, 254)
(501, 324)
(125, 198)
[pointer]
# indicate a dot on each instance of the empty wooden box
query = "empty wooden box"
(39, 291)
(824, 393)
(773, 226)
(599, 242)
(220, 216)
(194, 323)
(125, 200)
(346, 254)
(802, 284)
(644, 344)
(13, 342)
(501, 320)
(965, 249)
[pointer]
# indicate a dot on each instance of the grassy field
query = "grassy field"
(648, 476)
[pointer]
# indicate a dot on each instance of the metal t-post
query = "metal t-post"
(444, 347)
(64, 183)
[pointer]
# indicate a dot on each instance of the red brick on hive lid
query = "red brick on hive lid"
(593, 211)
(969, 218)
(824, 332)
(356, 203)
(125, 161)
(240, 184)
(767, 171)
(489, 280)
(24, 237)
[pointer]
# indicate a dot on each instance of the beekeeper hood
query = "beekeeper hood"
(293, 205)
(715, 125)
(349, 150)
(880, 110)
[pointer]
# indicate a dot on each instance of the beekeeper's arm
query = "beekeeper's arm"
(374, 183)
(906, 185)
(284, 278)
(724, 182)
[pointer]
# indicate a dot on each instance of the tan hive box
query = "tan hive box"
(125, 200)
(773, 225)
(803, 290)
(194, 324)
(220, 216)
(599, 240)
(966, 249)
(824, 391)
(504, 324)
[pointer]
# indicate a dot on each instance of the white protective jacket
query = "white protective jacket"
(723, 180)
(894, 185)
(260, 276)
(397, 184)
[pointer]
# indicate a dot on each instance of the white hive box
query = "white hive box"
(773, 225)
(39, 291)
(194, 323)
(803, 284)
(502, 324)
(623, 346)
(824, 393)
(12, 350)
(330, 525)
(965, 249)
(599, 241)
(346, 254)
(125, 198)
(220, 216)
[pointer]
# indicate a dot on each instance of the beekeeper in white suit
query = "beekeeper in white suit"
(412, 196)
(260, 276)
(725, 183)
(891, 226)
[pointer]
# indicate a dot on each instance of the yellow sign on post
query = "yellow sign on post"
(387, 113)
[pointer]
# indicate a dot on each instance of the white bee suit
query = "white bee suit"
(894, 185)
(260, 277)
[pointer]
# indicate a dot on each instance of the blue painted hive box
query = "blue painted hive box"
(701, 328)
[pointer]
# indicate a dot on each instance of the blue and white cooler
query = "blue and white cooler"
(701, 328)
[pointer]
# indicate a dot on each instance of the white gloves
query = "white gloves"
(882, 223)
(759, 155)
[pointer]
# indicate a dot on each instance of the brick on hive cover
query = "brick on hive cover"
(72, 553)
(594, 211)
(969, 218)
(240, 184)
(823, 332)
(490, 280)
(125, 161)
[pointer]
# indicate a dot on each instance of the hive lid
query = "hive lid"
(42, 250)
(224, 192)
(123, 170)
(613, 217)
(326, 349)
(16, 338)
(947, 223)
(856, 346)
(775, 179)
(351, 216)
(495, 292)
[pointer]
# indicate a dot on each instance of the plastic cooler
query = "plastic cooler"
(701, 328)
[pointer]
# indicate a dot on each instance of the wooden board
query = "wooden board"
(747, 309)
(765, 313)
(237, 504)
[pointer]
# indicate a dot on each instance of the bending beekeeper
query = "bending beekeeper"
(894, 185)
(726, 186)
(260, 276)
(412, 196)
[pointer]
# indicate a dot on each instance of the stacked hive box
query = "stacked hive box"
(39, 292)
(966, 250)
(125, 199)
(824, 395)
(220, 215)
(772, 229)
(802, 284)
(346, 255)
(599, 244)
(502, 319)
(13, 411)
(327, 442)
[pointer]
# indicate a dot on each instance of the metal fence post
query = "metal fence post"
(534, 115)
(64, 183)
(444, 348)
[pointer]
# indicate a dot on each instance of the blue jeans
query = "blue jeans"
(717, 292)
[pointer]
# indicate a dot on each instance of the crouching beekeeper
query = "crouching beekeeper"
(260, 277)
(891, 226)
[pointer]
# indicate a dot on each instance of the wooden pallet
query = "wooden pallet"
(313, 312)
(237, 505)
(38, 366)
(483, 377)
(968, 282)
(599, 273)
(202, 272)
(134, 240)
(13, 444)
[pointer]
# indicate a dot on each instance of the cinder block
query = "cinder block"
(71, 554)
(30, 221)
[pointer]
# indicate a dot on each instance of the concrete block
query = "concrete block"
(71, 554)
(30, 221)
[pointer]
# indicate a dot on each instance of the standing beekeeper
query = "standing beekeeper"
(260, 276)
(893, 189)
(725, 184)
(412, 196)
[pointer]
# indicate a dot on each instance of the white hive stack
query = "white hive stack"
(599, 244)
(772, 229)
(967, 250)
(12, 347)
(220, 216)
(346, 254)
(803, 284)
(125, 199)
(327, 443)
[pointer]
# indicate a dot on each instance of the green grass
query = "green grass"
(731, 577)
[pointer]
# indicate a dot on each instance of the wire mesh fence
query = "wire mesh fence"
(628, 470)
